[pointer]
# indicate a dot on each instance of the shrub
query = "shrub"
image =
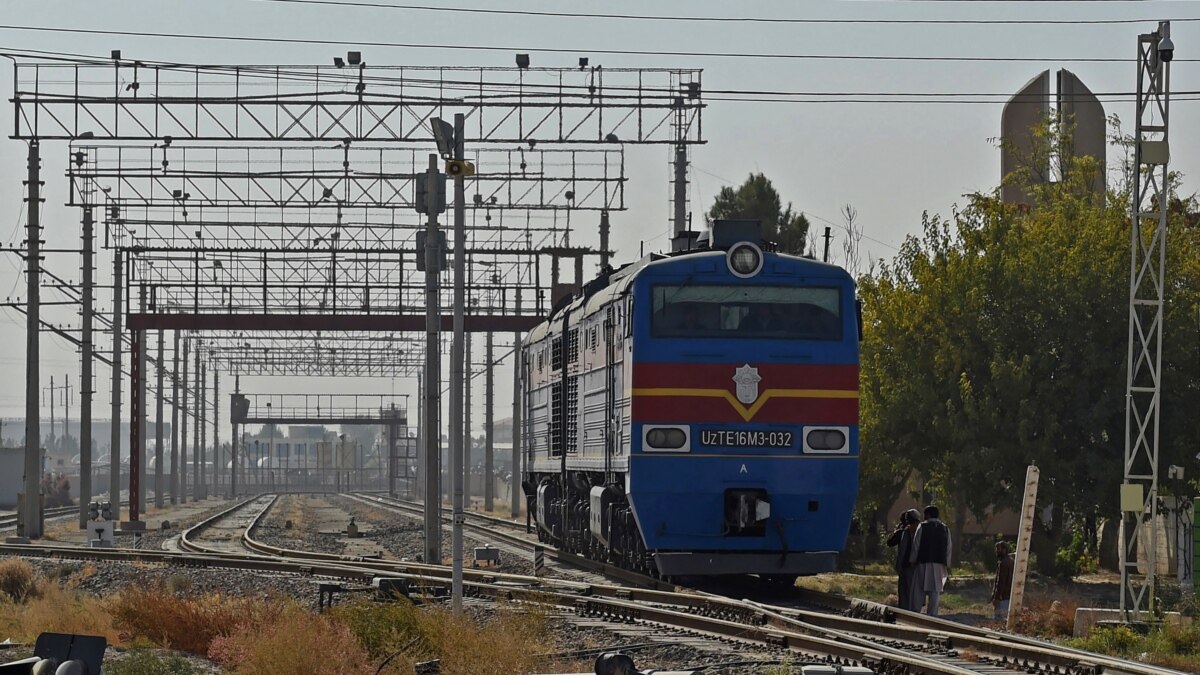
(1075, 558)
(1047, 618)
(292, 640)
(56, 610)
(18, 581)
(179, 583)
(508, 642)
(181, 622)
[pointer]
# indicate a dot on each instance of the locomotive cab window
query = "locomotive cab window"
(742, 311)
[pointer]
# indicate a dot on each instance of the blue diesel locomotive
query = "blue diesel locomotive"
(697, 413)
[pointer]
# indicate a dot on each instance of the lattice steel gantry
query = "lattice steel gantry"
(275, 199)
(1148, 216)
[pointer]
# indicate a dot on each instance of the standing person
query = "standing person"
(931, 554)
(902, 537)
(1002, 586)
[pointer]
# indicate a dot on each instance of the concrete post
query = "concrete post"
(158, 425)
(489, 400)
(86, 353)
(184, 412)
(516, 427)
(114, 453)
(31, 506)
(173, 482)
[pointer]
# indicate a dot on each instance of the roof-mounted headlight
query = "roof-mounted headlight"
(745, 259)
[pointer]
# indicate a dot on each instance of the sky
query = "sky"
(891, 161)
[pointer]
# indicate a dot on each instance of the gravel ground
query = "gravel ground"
(403, 537)
(306, 517)
(104, 579)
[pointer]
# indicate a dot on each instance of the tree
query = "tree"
(999, 338)
(757, 199)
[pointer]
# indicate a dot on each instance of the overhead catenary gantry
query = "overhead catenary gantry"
(129, 100)
(278, 200)
(296, 353)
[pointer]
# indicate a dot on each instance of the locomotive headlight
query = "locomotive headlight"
(745, 259)
(826, 439)
(666, 438)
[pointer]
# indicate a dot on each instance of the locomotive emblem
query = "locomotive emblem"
(747, 379)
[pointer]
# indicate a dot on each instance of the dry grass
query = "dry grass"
(252, 635)
(1046, 617)
(291, 640)
(18, 581)
(180, 622)
(58, 610)
(507, 642)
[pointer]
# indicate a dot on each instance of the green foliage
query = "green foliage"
(381, 628)
(757, 199)
(1168, 645)
(1075, 558)
(148, 662)
(998, 338)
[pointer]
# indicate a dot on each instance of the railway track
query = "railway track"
(973, 648)
(875, 637)
(9, 521)
(486, 527)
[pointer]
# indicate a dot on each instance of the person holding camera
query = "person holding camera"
(902, 537)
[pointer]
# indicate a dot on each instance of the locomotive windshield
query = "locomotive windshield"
(743, 311)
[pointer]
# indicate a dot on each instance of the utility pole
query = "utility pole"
(197, 425)
(516, 428)
(175, 434)
(233, 440)
(31, 504)
(489, 400)
(680, 184)
(202, 423)
(140, 415)
(828, 235)
(114, 452)
(419, 488)
(137, 410)
(66, 406)
(605, 227)
(158, 425)
(85, 366)
(456, 365)
(51, 389)
(467, 444)
(185, 399)
(1147, 268)
(433, 367)
(216, 420)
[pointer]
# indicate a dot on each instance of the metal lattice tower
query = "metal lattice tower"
(1139, 491)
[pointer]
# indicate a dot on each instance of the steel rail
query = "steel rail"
(587, 564)
(888, 623)
(733, 619)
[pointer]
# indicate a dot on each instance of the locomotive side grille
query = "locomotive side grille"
(573, 345)
(572, 415)
(556, 421)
